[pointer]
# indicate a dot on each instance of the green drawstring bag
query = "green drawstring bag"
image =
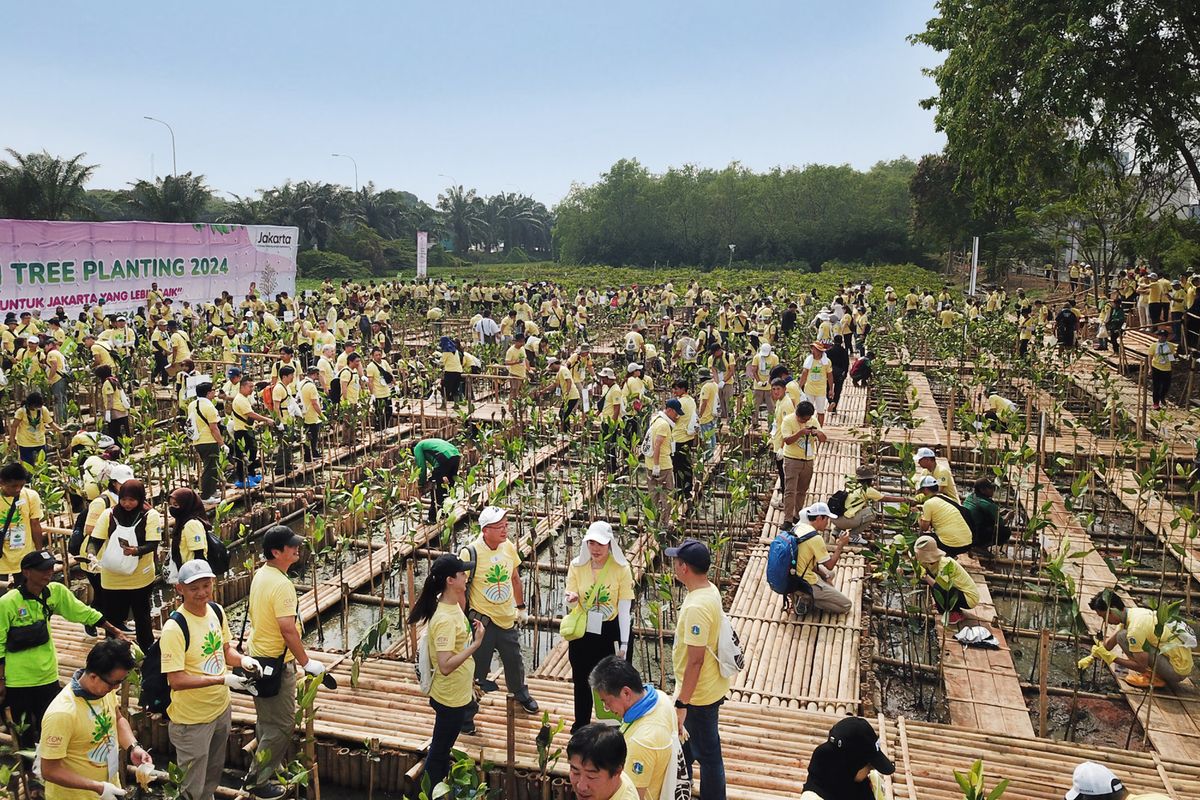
(574, 624)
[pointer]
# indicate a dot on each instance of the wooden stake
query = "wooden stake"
(1043, 676)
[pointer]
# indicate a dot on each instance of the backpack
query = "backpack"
(155, 694)
(216, 554)
(335, 387)
(782, 575)
(268, 397)
(730, 658)
(424, 663)
(837, 502)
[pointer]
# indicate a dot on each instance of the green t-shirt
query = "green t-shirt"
(433, 451)
(37, 666)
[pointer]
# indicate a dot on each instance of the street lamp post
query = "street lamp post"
(174, 168)
(352, 161)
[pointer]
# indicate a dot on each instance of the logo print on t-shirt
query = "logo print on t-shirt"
(695, 630)
(497, 584)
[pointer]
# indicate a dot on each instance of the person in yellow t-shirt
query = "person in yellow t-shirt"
(21, 516)
(683, 437)
(205, 421)
(699, 685)
(596, 756)
(953, 588)
(1155, 654)
(611, 410)
(275, 633)
(928, 464)
(600, 583)
(310, 401)
(350, 378)
(859, 512)
(516, 362)
(242, 417)
(568, 389)
(197, 651)
(189, 530)
(648, 724)
(942, 517)
(27, 433)
(706, 410)
(496, 597)
(801, 434)
(452, 641)
(658, 448)
(135, 527)
(452, 370)
(1162, 354)
(815, 564)
(380, 379)
(84, 731)
(760, 371)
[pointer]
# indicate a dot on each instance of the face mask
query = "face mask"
(175, 513)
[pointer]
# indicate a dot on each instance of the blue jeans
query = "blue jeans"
(704, 745)
(708, 433)
(447, 723)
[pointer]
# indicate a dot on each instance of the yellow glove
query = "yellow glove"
(1102, 653)
(1085, 662)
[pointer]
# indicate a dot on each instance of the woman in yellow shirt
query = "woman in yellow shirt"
(451, 641)
(27, 432)
(953, 587)
(600, 582)
(115, 403)
(134, 526)
(452, 369)
(189, 530)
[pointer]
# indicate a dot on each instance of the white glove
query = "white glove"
(314, 667)
(622, 649)
(657, 471)
(279, 427)
(110, 792)
(236, 682)
(250, 664)
(108, 416)
(522, 616)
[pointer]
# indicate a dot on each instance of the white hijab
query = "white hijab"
(599, 531)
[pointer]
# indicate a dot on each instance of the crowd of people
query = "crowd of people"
(780, 358)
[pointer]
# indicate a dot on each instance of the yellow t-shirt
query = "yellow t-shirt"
(28, 509)
(55, 360)
(310, 396)
(203, 413)
(805, 447)
(858, 499)
(325, 366)
(783, 409)
(950, 574)
(650, 743)
(207, 637)
(699, 624)
(659, 426)
(181, 349)
(379, 388)
(519, 369)
(103, 357)
(765, 365)
(143, 575)
(948, 523)
(351, 385)
(113, 398)
(627, 791)
(279, 396)
(563, 379)
(451, 362)
(1003, 407)
(680, 432)
(809, 554)
(1140, 624)
(193, 541)
(708, 393)
(817, 383)
(83, 735)
(601, 591)
(945, 481)
(31, 427)
(614, 398)
(450, 632)
(491, 592)
(243, 407)
(272, 595)
(1161, 356)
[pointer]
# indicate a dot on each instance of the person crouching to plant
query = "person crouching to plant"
(1162, 657)
(452, 642)
(952, 586)
(842, 767)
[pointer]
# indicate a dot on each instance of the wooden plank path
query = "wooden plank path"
(1171, 424)
(931, 427)
(1158, 516)
(1172, 720)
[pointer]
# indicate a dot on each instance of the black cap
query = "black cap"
(692, 552)
(279, 537)
(858, 743)
(447, 566)
(38, 559)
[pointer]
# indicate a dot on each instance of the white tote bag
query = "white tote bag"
(113, 559)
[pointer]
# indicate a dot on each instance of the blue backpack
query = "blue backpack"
(782, 575)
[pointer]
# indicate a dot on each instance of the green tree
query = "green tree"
(465, 221)
(41, 186)
(171, 198)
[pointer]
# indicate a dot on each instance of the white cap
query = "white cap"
(928, 482)
(120, 473)
(924, 452)
(633, 367)
(1093, 780)
(600, 532)
(551, 360)
(817, 510)
(608, 373)
(490, 515)
(194, 570)
(764, 350)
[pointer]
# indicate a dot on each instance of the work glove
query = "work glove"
(622, 650)
(239, 683)
(108, 416)
(110, 792)
(251, 665)
(1085, 662)
(279, 427)
(1102, 653)
(314, 667)
(522, 616)
(657, 471)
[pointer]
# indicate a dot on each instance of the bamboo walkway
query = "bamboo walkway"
(1159, 517)
(1171, 424)
(931, 427)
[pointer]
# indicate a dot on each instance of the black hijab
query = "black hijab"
(831, 775)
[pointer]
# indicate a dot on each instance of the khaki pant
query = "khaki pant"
(763, 397)
(856, 524)
(1163, 668)
(662, 490)
(200, 753)
(797, 475)
(827, 598)
(725, 393)
(274, 727)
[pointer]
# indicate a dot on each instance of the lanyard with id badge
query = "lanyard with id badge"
(13, 533)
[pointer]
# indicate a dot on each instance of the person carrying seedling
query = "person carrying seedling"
(1158, 657)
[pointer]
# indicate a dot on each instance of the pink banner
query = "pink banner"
(45, 265)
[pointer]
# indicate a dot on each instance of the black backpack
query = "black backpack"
(155, 695)
(335, 387)
(837, 502)
(217, 554)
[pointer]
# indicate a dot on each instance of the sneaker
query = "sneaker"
(1142, 680)
(469, 729)
(776, 502)
(858, 539)
(489, 685)
(90, 630)
(216, 498)
(802, 604)
(239, 484)
(255, 480)
(530, 705)
(268, 791)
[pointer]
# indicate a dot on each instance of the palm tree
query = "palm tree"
(244, 211)
(464, 216)
(40, 186)
(317, 209)
(172, 198)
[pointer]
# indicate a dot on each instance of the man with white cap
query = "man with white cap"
(600, 582)
(814, 562)
(943, 518)
(1092, 781)
(197, 650)
(816, 380)
(928, 464)
(496, 597)
(760, 372)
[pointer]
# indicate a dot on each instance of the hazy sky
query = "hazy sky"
(518, 96)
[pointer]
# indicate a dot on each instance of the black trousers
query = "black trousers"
(584, 654)
(1160, 384)
(160, 368)
(839, 380)
(30, 703)
(443, 477)
(565, 414)
(610, 433)
(383, 412)
(117, 604)
(452, 386)
(447, 723)
(951, 599)
(312, 435)
(681, 463)
(118, 427)
(245, 454)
